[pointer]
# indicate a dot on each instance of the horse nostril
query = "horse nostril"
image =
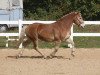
(82, 25)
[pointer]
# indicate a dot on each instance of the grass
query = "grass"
(88, 29)
(80, 42)
(87, 42)
(2, 42)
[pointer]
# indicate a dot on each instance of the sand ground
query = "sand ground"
(86, 62)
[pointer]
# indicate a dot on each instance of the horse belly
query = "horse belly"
(46, 36)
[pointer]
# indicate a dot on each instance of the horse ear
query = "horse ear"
(77, 13)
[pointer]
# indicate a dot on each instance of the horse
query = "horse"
(55, 32)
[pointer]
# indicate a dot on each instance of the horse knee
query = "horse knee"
(73, 44)
(26, 42)
(70, 41)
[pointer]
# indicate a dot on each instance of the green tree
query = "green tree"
(54, 9)
(88, 8)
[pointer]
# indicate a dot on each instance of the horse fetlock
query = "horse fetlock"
(73, 53)
(18, 56)
(50, 57)
(45, 57)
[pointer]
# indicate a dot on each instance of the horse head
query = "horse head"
(78, 20)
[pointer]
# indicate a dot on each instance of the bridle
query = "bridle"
(77, 19)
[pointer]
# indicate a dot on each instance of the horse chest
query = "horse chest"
(66, 36)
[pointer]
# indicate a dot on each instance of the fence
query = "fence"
(20, 22)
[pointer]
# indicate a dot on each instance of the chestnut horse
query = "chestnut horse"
(55, 32)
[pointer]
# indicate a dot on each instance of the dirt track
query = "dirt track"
(86, 62)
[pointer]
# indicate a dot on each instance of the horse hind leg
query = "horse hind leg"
(24, 44)
(21, 37)
(18, 44)
(35, 43)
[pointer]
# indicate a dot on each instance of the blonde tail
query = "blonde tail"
(22, 36)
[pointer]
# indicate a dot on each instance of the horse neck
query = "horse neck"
(67, 21)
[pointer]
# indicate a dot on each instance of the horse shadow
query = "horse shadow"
(34, 57)
(37, 57)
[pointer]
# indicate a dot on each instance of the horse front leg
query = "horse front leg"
(70, 41)
(57, 44)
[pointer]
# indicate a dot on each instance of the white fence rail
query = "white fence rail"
(88, 34)
(20, 23)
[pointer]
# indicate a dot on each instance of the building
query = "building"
(10, 10)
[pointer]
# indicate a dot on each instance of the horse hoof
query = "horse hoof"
(44, 57)
(18, 56)
(49, 57)
(73, 55)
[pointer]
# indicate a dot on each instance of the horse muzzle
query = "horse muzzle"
(82, 25)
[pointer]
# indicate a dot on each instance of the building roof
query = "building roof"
(9, 4)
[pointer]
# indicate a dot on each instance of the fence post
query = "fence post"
(71, 37)
(7, 41)
(71, 33)
(20, 27)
